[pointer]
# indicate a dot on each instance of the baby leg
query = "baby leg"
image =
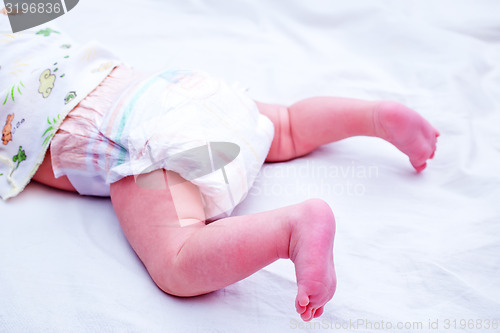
(308, 124)
(197, 258)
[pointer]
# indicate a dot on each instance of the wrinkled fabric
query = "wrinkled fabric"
(409, 247)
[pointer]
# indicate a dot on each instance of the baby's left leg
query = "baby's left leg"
(308, 124)
(185, 257)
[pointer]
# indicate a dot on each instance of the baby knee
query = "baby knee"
(170, 278)
(319, 209)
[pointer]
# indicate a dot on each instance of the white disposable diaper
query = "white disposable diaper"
(210, 133)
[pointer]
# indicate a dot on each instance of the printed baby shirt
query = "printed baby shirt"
(43, 76)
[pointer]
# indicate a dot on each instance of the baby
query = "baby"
(176, 151)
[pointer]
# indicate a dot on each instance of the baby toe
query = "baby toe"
(420, 168)
(300, 309)
(307, 315)
(302, 298)
(319, 312)
(301, 302)
(418, 160)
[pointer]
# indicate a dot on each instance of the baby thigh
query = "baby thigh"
(158, 212)
(184, 256)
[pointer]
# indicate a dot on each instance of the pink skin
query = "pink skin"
(185, 257)
(321, 120)
(308, 124)
(408, 131)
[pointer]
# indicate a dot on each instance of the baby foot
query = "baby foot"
(311, 250)
(407, 130)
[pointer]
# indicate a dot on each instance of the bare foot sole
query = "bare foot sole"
(311, 250)
(408, 131)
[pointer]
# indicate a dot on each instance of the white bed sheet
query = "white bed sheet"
(409, 247)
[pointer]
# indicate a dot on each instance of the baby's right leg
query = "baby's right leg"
(310, 123)
(198, 258)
